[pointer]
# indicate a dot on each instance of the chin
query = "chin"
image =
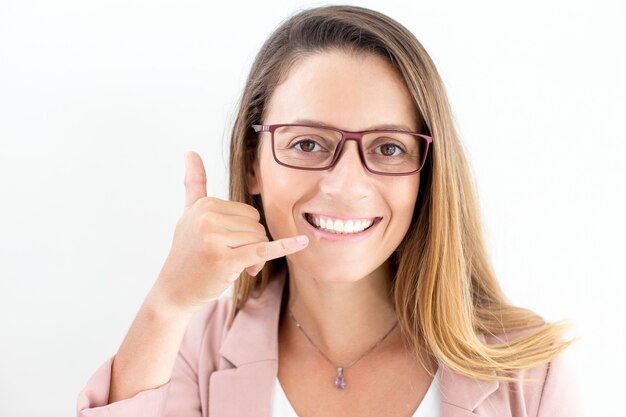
(326, 277)
(325, 271)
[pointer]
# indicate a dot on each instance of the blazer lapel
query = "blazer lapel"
(251, 346)
(461, 395)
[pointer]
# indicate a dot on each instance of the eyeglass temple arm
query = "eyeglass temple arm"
(261, 128)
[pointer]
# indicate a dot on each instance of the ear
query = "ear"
(252, 164)
(252, 181)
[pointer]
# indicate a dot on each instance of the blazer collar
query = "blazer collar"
(253, 336)
(461, 395)
(251, 346)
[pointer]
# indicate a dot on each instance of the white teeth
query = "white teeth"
(349, 227)
(340, 226)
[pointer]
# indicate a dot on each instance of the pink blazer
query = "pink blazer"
(220, 373)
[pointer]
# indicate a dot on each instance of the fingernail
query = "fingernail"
(302, 240)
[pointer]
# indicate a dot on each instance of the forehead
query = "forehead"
(351, 92)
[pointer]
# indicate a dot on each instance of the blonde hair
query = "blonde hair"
(444, 289)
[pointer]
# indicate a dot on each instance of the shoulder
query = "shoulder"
(205, 331)
(213, 316)
(554, 390)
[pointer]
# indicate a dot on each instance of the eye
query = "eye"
(389, 149)
(306, 145)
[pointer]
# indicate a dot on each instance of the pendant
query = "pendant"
(340, 381)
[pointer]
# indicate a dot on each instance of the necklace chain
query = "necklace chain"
(340, 380)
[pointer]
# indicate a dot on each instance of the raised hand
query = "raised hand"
(214, 241)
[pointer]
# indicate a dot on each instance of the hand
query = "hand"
(214, 241)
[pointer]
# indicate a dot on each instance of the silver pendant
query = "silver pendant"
(340, 381)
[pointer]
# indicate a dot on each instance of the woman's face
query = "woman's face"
(352, 93)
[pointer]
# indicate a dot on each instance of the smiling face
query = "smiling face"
(354, 93)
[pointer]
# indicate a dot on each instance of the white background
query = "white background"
(99, 100)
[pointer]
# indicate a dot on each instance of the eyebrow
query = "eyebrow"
(386, 126)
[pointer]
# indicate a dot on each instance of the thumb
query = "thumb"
(195, 178)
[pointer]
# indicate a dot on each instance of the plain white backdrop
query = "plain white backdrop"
(99, 101)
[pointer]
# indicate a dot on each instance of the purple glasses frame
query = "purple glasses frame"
(345, 135)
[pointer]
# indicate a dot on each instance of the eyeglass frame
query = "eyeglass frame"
(345, 136)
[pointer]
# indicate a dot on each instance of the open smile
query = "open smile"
(337, 228)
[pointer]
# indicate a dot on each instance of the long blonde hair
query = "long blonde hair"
(444, 289)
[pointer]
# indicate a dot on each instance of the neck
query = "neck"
(343, 319)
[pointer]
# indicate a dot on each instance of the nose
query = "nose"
(348, 179)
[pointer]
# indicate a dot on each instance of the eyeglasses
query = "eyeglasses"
(315, 148)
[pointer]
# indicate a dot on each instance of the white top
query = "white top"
(429, 407)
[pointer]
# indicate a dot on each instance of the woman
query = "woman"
(374, 295)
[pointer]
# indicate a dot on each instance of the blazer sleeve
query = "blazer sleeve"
(560, 396)
(179, 397)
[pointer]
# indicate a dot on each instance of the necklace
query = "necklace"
(340, 380)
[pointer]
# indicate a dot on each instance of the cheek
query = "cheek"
(277, 185)
(402, 200)
(279, 198)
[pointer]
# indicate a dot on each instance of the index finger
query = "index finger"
(264, 251)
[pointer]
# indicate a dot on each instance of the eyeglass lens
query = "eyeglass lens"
(314, 147)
